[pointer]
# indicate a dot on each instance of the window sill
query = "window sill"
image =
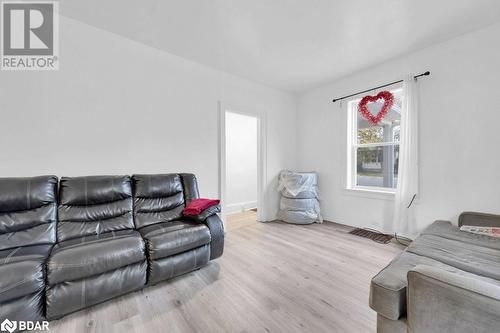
(380, 194)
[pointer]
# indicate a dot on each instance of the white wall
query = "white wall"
(459, 142)
(241, 162)
(120, 107)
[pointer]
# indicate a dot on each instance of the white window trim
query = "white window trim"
(350, 185)
(370, 193)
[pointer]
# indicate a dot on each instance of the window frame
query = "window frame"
(353, 145)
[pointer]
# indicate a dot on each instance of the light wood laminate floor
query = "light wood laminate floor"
(273, 277)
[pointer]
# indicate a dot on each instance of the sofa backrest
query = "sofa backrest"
(27, 211)
(93, 205)
(162, 197)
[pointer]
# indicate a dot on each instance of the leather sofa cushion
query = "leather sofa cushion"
(166, 239)
(156, 186)
(27, 211)
(41, 234)
(87, 256)
(76, 221)
(94, 205)
(143, 219)
(170, 267)
(15, 221)
(18, 194)
(157, 198)
(94, 190)
(68, 297)
(28, 308)
(22, 271)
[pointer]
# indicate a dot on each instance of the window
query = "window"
(373, 150)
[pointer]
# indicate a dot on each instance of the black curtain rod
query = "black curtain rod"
(382, 86)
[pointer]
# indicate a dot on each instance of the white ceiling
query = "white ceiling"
(288, 44)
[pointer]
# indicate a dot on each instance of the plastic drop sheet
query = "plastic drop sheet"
(295, 182)
(299, 202)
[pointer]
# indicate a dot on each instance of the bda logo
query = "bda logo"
(24, 325)
(29, 35)
(8, 326)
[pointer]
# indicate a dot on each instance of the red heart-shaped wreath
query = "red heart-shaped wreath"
(388, 98)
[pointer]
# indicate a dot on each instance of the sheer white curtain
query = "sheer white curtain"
(407, 186)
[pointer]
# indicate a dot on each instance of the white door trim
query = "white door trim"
(261, 155)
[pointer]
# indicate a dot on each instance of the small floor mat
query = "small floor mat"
(374, 236)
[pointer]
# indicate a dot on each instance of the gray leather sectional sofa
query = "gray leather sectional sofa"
(447, 280)
(71, 244)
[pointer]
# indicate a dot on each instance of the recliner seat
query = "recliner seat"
(99, 254)
(27, 234)
(174, 245)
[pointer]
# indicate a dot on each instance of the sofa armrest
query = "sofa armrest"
(451, 301)
(214, 223)
(479, 219)
(204, 215)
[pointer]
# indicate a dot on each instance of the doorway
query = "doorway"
(241, 164)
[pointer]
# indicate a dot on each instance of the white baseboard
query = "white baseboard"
(240, 207)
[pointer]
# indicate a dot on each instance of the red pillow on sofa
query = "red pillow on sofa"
(196, 206)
